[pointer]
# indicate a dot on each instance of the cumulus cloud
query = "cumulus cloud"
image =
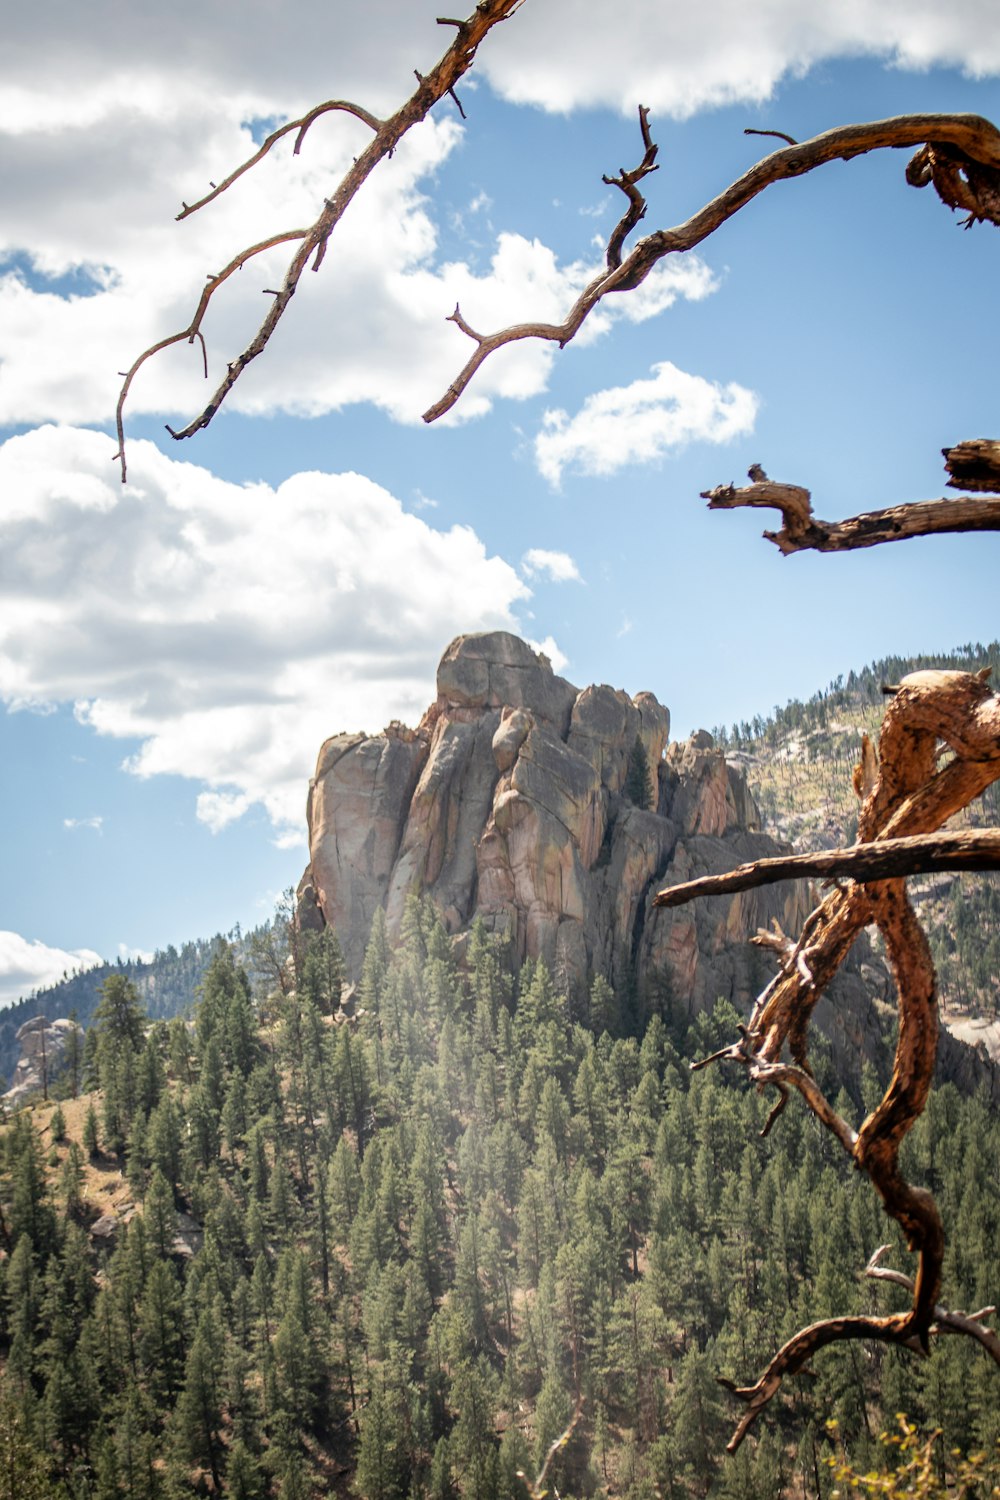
(57, 62)
(136, 955)
(27, 965)
(679, 59)
(642, 423)
(81, 201)
(371, 327)
(96, 823)
(558, 566)
(558, 659)
(229, 628)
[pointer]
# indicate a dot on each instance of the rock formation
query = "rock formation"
(508, 803)
(43, 1044)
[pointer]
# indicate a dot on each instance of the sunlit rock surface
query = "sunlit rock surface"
(510, 802)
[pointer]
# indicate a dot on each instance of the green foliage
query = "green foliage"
(417, 1249)
(638, 782)
(919, 1466)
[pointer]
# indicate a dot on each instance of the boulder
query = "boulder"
(43, 1045)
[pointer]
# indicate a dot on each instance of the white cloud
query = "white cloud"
(27, 965)
(68, 64)
(229, 628)
(219, 809)
(138, 955)
(96, 823)
(371, 327)
(558, 566)
(678, 59)
(642, 423)
(558, 659)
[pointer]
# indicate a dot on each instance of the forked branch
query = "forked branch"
(905, 794)
(431, 88)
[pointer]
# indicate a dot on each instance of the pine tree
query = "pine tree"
(638, 786)
(118, 1025)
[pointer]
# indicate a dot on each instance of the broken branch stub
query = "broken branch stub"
(906, 796)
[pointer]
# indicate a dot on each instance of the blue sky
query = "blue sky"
(172, 654)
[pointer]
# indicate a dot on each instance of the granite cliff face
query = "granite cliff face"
(508, 802)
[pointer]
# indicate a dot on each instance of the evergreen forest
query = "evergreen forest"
(435, 1238)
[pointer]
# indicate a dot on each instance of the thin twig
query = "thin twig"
(301, 125)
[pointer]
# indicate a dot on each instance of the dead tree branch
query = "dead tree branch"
(945, 1320)
(904, 795)
(959, 154)
(431, 88)
(801, 531)
(974, 465)
(301, 126)
(968, 849)
(636, 202)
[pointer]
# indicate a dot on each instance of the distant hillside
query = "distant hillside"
(798, 763)
(167, 985)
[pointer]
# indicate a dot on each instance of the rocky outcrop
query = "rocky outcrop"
(43, 1046)
(508, 803)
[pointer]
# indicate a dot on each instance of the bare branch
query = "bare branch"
(636, 202)
(968, 849)
(302, 125)
(192, 331)
(431, 87)
(535, 1487)
(945, 1320)
(801, 531)
(969, 140)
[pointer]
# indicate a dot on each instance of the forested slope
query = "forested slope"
(166, 984)
(398, 1253)
(798, 762)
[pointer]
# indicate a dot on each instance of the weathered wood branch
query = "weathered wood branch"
(968, 849)
(627, 182)
(905, 794)
(946, 1320)
(431, 88)
(802, 531)
(974, 465)
(959, 154)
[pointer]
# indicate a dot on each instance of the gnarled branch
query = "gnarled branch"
(959, 154)
(431, 87)
(904, 794)
(801, 531)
